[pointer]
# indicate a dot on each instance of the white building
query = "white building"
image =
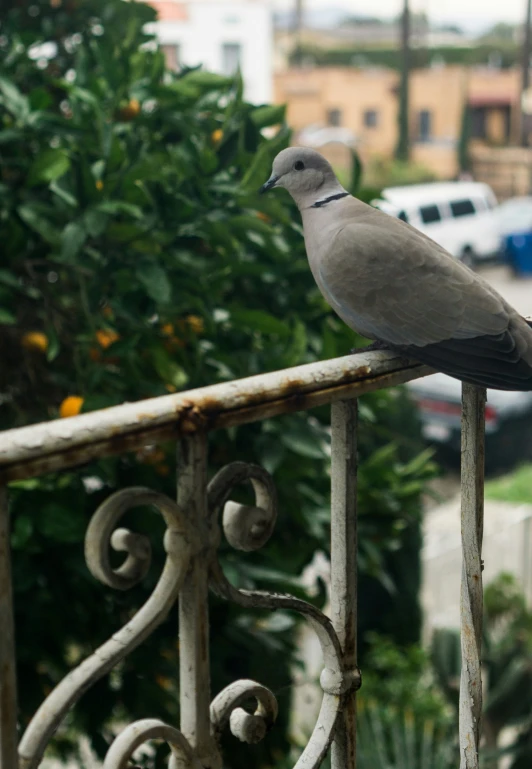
(222, 36)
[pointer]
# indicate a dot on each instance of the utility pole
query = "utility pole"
(403, 145)
(525, 99)
(298, 30)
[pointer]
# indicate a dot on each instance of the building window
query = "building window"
(231, 53)
(402, 215)
(430, 214)
(424, 126)
(370, 118)
(334, 117)
(462, 208)
(478, 123)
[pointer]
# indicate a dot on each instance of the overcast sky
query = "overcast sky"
(473, 14)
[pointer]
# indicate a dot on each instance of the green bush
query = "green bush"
(382, 56)
(507, 669)
(138, 260)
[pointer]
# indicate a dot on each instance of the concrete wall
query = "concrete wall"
(508, 170)
(507, 547)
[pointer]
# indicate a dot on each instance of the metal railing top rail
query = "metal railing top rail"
(29, 451)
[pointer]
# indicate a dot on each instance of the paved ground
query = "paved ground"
(517, 291)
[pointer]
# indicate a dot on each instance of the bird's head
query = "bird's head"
(303, 172)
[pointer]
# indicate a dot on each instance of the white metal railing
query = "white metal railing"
(192, 567)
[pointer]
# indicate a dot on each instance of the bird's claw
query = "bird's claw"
(369, 348)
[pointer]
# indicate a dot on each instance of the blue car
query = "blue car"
(515, 225)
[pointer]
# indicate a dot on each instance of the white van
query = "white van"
(457, 215)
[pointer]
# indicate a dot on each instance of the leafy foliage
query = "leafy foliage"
(514, 487)
(384, 56)
(137, 261)
(463, 150)
(507, 662)
(396, 739)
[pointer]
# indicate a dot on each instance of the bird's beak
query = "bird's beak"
(272, 181)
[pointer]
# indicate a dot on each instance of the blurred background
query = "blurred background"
(137, 260)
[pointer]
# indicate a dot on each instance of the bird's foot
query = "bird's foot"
(370, 347)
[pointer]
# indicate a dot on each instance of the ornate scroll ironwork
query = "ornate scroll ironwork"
(179, 543)
(191, 540)
(247, 727)
(192, 567)
(248, 528)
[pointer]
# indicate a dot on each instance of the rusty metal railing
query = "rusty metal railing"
(192, 567)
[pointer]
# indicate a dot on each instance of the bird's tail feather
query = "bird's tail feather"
(487, 361)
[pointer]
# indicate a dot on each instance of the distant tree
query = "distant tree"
(507, 662)
(464, 158)
(500, 32)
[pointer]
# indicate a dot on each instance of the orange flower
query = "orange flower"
(167, 329)
(195, 323)
(99, 184)
(164, 683)
(35, 340)
(171, 388)
(263, 217)
(71, 406)
(130, 111)
(216, 136)
(106, 337)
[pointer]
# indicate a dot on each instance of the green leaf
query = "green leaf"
(95, 222)
(169, 371)
(40, 98)
(206, 80)
(155, 281)
(261, 166)
(49, 165)
(9, 279)
(22, 532)
(259, 320)
(72, 239)
(6, 318)
(13, 99)
(63, 194)
(120, 207)
(61, 524)
(356, 173)
(268, 115)
(53, 344)
(10, 135)
(300, 442)
(30, 215)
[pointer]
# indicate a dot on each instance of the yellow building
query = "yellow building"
(364, 102)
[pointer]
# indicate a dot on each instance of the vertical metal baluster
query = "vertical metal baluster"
(194, 668)
(344, 566)
(472, 493)
(8, 686)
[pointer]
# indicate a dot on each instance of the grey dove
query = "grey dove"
(392, 284)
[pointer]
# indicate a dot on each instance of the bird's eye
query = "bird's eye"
(299, 165)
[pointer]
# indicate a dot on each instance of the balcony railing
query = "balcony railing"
(192, 567)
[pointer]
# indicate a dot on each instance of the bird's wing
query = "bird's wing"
(391, 283)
